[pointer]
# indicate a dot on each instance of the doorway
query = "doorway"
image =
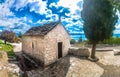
(59, 50)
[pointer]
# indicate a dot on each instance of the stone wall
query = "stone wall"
(58, 34)
(33, 46)
(82, 52)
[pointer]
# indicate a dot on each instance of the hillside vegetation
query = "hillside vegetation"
(6, 47)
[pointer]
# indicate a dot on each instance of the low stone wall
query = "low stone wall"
(82, 52)
(116, 51)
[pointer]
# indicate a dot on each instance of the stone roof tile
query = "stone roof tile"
(41, 30)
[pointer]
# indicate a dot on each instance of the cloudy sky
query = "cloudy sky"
(20, 15)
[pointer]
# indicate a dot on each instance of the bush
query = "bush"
(72, 41)
(80, 40)
(8, 36)
(112, 40)
(7, 47)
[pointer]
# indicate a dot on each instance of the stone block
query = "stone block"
(82, 52)
(116, 51)
(3, 58)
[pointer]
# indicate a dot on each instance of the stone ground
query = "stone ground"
(9, 69)
(71, 66)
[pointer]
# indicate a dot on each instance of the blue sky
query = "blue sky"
(21, 15)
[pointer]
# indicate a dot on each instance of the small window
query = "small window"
(32, 45)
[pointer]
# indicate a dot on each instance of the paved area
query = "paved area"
(70, 66)
(110, 63)
(83, 68)
(108, 58)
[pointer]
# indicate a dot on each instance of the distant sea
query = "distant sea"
(76, 36)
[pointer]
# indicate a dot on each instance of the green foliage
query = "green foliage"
(116, 4)
(80, 40)
(0, 55)
(111, 41)
(99, 19)
(7, 47)
(72, 41)
(20, 35)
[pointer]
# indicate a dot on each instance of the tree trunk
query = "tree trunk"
(5, 41)
(93, 51)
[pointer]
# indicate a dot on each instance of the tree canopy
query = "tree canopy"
(116, 4)
(8, 36)
(99, 18)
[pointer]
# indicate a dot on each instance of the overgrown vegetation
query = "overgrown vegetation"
(9, 36)
(72, 41)
(112, 40)
(6, 47)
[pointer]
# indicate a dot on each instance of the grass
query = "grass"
(6, 47)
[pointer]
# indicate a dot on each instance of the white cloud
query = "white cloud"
(117, 31)
(24, 18)
(53, 4)
(48, 13)
(5, 9)
(81, 32)
(39, 6)
(71, 4)
(117, 26)
(20, 3)
(30, 21)
(15, 22)
(118, 13)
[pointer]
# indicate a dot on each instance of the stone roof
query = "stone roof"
(42, 30)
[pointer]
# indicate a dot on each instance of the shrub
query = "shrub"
(72, 41)
(112, 40)
(7, 47)
(80, 40)
(8, 36)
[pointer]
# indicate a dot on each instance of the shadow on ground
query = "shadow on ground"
(58, 69)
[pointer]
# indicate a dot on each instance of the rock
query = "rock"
(116, 51)
(0, 68)
(82, 52)
(3, 58)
